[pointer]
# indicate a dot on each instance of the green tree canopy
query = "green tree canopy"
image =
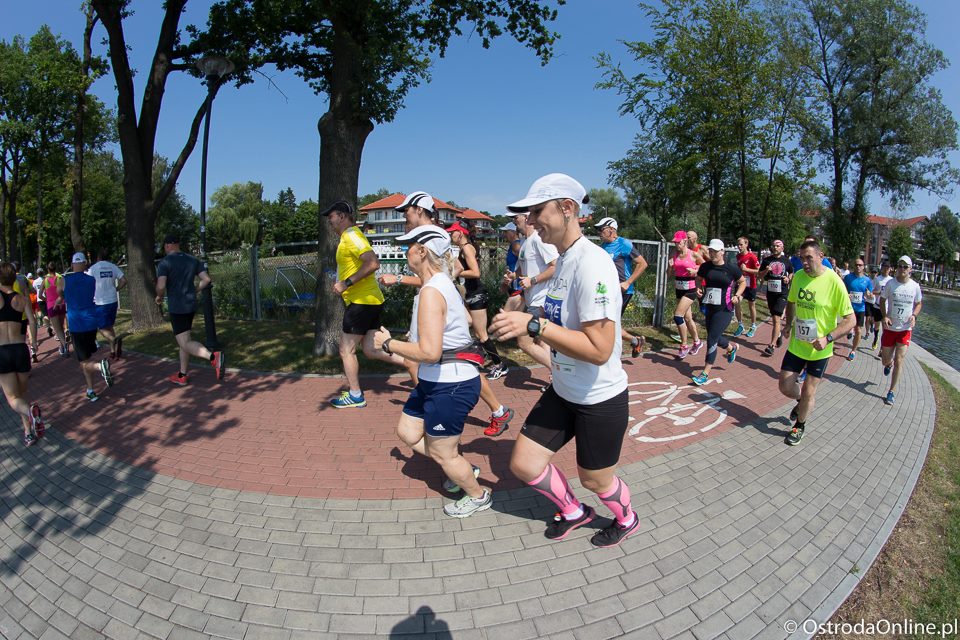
(900, 243)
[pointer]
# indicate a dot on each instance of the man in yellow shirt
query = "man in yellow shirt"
(817, 298)
(356, 283)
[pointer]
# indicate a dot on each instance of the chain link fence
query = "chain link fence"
(278, 282)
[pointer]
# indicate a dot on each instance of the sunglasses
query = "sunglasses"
(903, 266)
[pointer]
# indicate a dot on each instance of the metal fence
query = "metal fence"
(274, 282)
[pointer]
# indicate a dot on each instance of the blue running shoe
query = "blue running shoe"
(732, 355)
(889, 398)
(739, 330)
(752, 331)
(700, 379)
(886, 371)
(347, 401)
(851, 356)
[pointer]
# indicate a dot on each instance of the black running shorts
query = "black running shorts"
(599, 428)
(14, 358)
(477, 300)
(777, 303)
(84, 344)
(750, 294)
(181, 322)
(860, 316)
(796, 364)
(358, 319)
(876, 313)
(625, 300)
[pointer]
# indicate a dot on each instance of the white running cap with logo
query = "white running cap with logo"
(508, 227)
(417, 199)
(553, 186)
(607, 222)
(716, 244)
(79, 258)
(907, 260)
(430, 236)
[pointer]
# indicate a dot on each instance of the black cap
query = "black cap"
(340, 205)
(171, 238)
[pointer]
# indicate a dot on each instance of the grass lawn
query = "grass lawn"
(917, 574)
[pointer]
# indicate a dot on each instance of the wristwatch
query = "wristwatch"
(830, 338)
(386, 346)
(535, 327)
(348, 281)
(533, 280)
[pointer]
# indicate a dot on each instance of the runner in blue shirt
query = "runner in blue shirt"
(797, 264)
(82, 315)
(859, 286)
(630, 266)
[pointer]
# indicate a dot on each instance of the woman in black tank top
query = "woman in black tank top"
(476, 297)
(15, 356)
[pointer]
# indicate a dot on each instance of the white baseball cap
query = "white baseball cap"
(429, 235)
(607, 222)
(907, 260)
(552, 186)
(508, 227)
(79, 258)
(716, 244)
(417, 199)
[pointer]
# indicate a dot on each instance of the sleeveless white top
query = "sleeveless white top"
(456, 333)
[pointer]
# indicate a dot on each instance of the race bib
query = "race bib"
(711, 296)
(775, 286)
(563, 363)
(686, 285)
(806, 330)
(902, 311)
(856, 297)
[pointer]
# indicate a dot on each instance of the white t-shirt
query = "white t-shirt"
(879, 282)
(534, 257)
(107, 275)
(456, 333)
(903, 296)
(584, 288)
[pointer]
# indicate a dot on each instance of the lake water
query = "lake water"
(938, 328)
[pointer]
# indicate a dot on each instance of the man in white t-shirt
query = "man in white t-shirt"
(536, 265)
(110, 280)
(587, 401)
(901, 304)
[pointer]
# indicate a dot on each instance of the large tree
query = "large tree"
(877, 121)
(365, 56)
(137, 130)
(39, 82)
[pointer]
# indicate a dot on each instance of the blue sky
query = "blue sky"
(488, 124)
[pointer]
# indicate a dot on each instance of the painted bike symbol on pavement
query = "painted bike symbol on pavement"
(696, 415)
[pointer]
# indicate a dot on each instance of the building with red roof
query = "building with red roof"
(481, 224)
(878, 234)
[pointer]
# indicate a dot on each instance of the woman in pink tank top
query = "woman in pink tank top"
(56, 307)
(684, 265)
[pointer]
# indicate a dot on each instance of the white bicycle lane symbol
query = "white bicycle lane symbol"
(693, 413)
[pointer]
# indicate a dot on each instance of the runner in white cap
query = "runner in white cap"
(418, 209)
(449, 374)
(901, 304)
(723, 286)
(630, 266)
(588, 398)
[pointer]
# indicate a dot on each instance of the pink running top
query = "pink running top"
(681, 264)
(50, 290)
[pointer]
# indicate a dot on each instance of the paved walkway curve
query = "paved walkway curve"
(740, 534)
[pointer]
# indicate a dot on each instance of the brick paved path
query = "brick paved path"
(250, 510)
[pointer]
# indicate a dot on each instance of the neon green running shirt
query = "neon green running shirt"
(818, 303)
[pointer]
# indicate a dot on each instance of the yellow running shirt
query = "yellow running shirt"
(819, 302)
(354, 244)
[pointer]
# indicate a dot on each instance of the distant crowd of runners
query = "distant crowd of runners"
(565, 301)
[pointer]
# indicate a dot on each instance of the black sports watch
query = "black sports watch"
(535, 327)
(830, 338)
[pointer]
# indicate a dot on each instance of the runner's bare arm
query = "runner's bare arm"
(431, 313)
(593, 344)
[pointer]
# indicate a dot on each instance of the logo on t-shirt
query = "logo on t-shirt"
(806, 295)
(552, 308)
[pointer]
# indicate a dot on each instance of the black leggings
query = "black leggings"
(717, 322)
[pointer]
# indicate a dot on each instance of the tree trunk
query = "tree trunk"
(343, 132)
(716, 184)
(140, 272)
(341, 147)
(12, 225)
(3, 226)
(76, 206)
(742, 153)
(39, 213)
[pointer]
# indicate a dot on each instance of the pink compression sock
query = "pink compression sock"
(617, 499)
(554, 486)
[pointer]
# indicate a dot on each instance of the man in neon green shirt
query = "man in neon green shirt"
(356, 284)
(817, 298)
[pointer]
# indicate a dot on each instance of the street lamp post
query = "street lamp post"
(213, 68)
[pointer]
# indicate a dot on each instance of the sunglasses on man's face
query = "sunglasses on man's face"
(903, 266)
